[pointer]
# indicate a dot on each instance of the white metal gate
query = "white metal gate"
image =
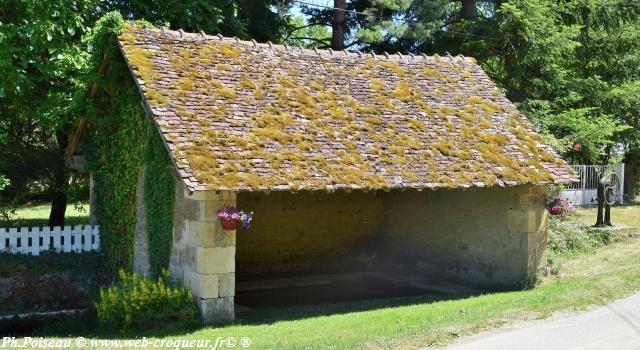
(584, 191)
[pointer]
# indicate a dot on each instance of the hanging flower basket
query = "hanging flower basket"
(228, 224)
(560, 206)
(231, 216)
(555, 211)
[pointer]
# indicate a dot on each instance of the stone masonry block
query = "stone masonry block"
(210, 208)
(522, 220)
(524, 197)
(202, 286)
(216, 310)
(209, 195)
(532, 197)
(227, 286)
(215, 260)
(200, 234)
(205, 209)
(188, 258)
(192, 209)
(209, 234)
(224, 238)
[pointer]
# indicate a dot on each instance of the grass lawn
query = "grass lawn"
(621, 214)
(36, 215)
(585, 279)
(593, 278)
(610, 273)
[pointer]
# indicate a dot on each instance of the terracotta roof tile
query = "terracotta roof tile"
(245, 116)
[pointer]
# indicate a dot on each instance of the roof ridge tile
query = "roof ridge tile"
(184, 35)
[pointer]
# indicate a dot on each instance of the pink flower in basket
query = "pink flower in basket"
(230, 216)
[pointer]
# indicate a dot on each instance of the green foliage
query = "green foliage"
(245, 19)
(570, 237)
(136, 302)
(4, 182)
(41, 58)
(584, 137)
(120, 141)
(159, 187)
(6, 207)
(555, 191)
(382, 26)
(307, 34)
(40, 49)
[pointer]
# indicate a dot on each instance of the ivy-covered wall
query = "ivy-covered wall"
(159, 187)
(119, 140)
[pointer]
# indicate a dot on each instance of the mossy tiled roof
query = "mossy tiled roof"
(246, 116)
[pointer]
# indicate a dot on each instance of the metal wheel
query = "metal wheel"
(612, 188)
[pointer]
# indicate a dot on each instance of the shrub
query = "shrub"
(530, 281)
(558, 205)
(136, 302)
(573, 237)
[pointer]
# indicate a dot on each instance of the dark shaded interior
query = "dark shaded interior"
(335, 289)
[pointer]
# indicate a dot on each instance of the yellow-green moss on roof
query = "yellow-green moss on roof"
(246, 116)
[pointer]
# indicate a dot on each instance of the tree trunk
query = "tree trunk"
(338, 25)
(631, 175)
(60, 184)
(468, 10)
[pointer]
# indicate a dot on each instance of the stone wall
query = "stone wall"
(307, 231)
(203, 255)
(488, 237)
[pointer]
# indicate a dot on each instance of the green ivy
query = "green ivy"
(119, 142)
(159, 187)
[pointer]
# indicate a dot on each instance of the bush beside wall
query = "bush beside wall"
(137, 302)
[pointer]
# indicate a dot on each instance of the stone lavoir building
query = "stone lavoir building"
(399, 164)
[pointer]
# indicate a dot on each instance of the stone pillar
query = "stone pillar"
(528, 223)
(203, 254)
(141, 242)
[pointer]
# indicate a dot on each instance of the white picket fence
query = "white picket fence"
(34, 240)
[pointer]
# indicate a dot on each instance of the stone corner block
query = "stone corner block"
(215, 260)
(202, 286)
(209, 234)
(523, 220)
(227, 286)
(216, 310)
(533, 198)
